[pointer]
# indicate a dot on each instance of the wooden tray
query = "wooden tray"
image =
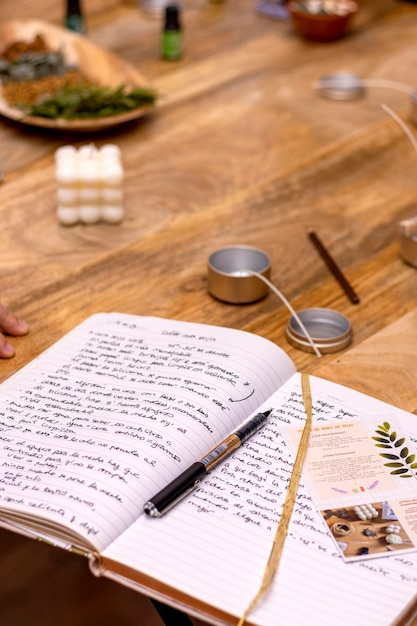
(99, 65)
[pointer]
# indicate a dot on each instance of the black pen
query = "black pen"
(191, 477)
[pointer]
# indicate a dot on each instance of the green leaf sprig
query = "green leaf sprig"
(399, 458)
(86, 101)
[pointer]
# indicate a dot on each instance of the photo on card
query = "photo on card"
(363, 531)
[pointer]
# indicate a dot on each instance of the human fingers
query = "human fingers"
(6, 348)
(11, 323)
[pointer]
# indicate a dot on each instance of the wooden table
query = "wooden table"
(239, 150)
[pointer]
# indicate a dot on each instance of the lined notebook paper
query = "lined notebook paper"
(115, 409)
(215, 545)
(106, 417)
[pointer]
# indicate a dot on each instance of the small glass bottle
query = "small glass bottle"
(74, 19)
(172, 33)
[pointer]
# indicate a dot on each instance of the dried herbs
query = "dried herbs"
(38, 81)
(25, 93)
(325, 7)
(31, 61)
(92, 101)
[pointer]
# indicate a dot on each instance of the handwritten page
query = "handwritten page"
(215, 544)
(121, 405)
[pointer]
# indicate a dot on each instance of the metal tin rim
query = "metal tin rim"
(324, 348)
(330, 331)
(341, 87)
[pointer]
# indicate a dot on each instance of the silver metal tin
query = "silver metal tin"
(153, 7)
(408, 240)
(330, 331)
(341, 87)
(413, 112)
(229, 277)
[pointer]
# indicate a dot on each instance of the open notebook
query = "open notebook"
(105, 418)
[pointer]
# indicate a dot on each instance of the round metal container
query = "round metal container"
(331, 331)
(413, 112)
(153, 7)
(341, 87)
(229, 277)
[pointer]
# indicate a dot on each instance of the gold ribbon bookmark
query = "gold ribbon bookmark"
(281, 531)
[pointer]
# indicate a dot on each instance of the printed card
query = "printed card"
(362, 477)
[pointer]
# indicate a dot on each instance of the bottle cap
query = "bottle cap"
(73, 7)
(330, 331)
(172, 16)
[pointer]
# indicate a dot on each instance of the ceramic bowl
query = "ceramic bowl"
(321, 26)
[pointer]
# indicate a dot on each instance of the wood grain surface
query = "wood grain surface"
(239, 150)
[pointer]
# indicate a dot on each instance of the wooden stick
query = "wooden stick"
(334, 268)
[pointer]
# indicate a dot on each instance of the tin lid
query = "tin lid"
(330, 331)
(230, 277)
(341, 87)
